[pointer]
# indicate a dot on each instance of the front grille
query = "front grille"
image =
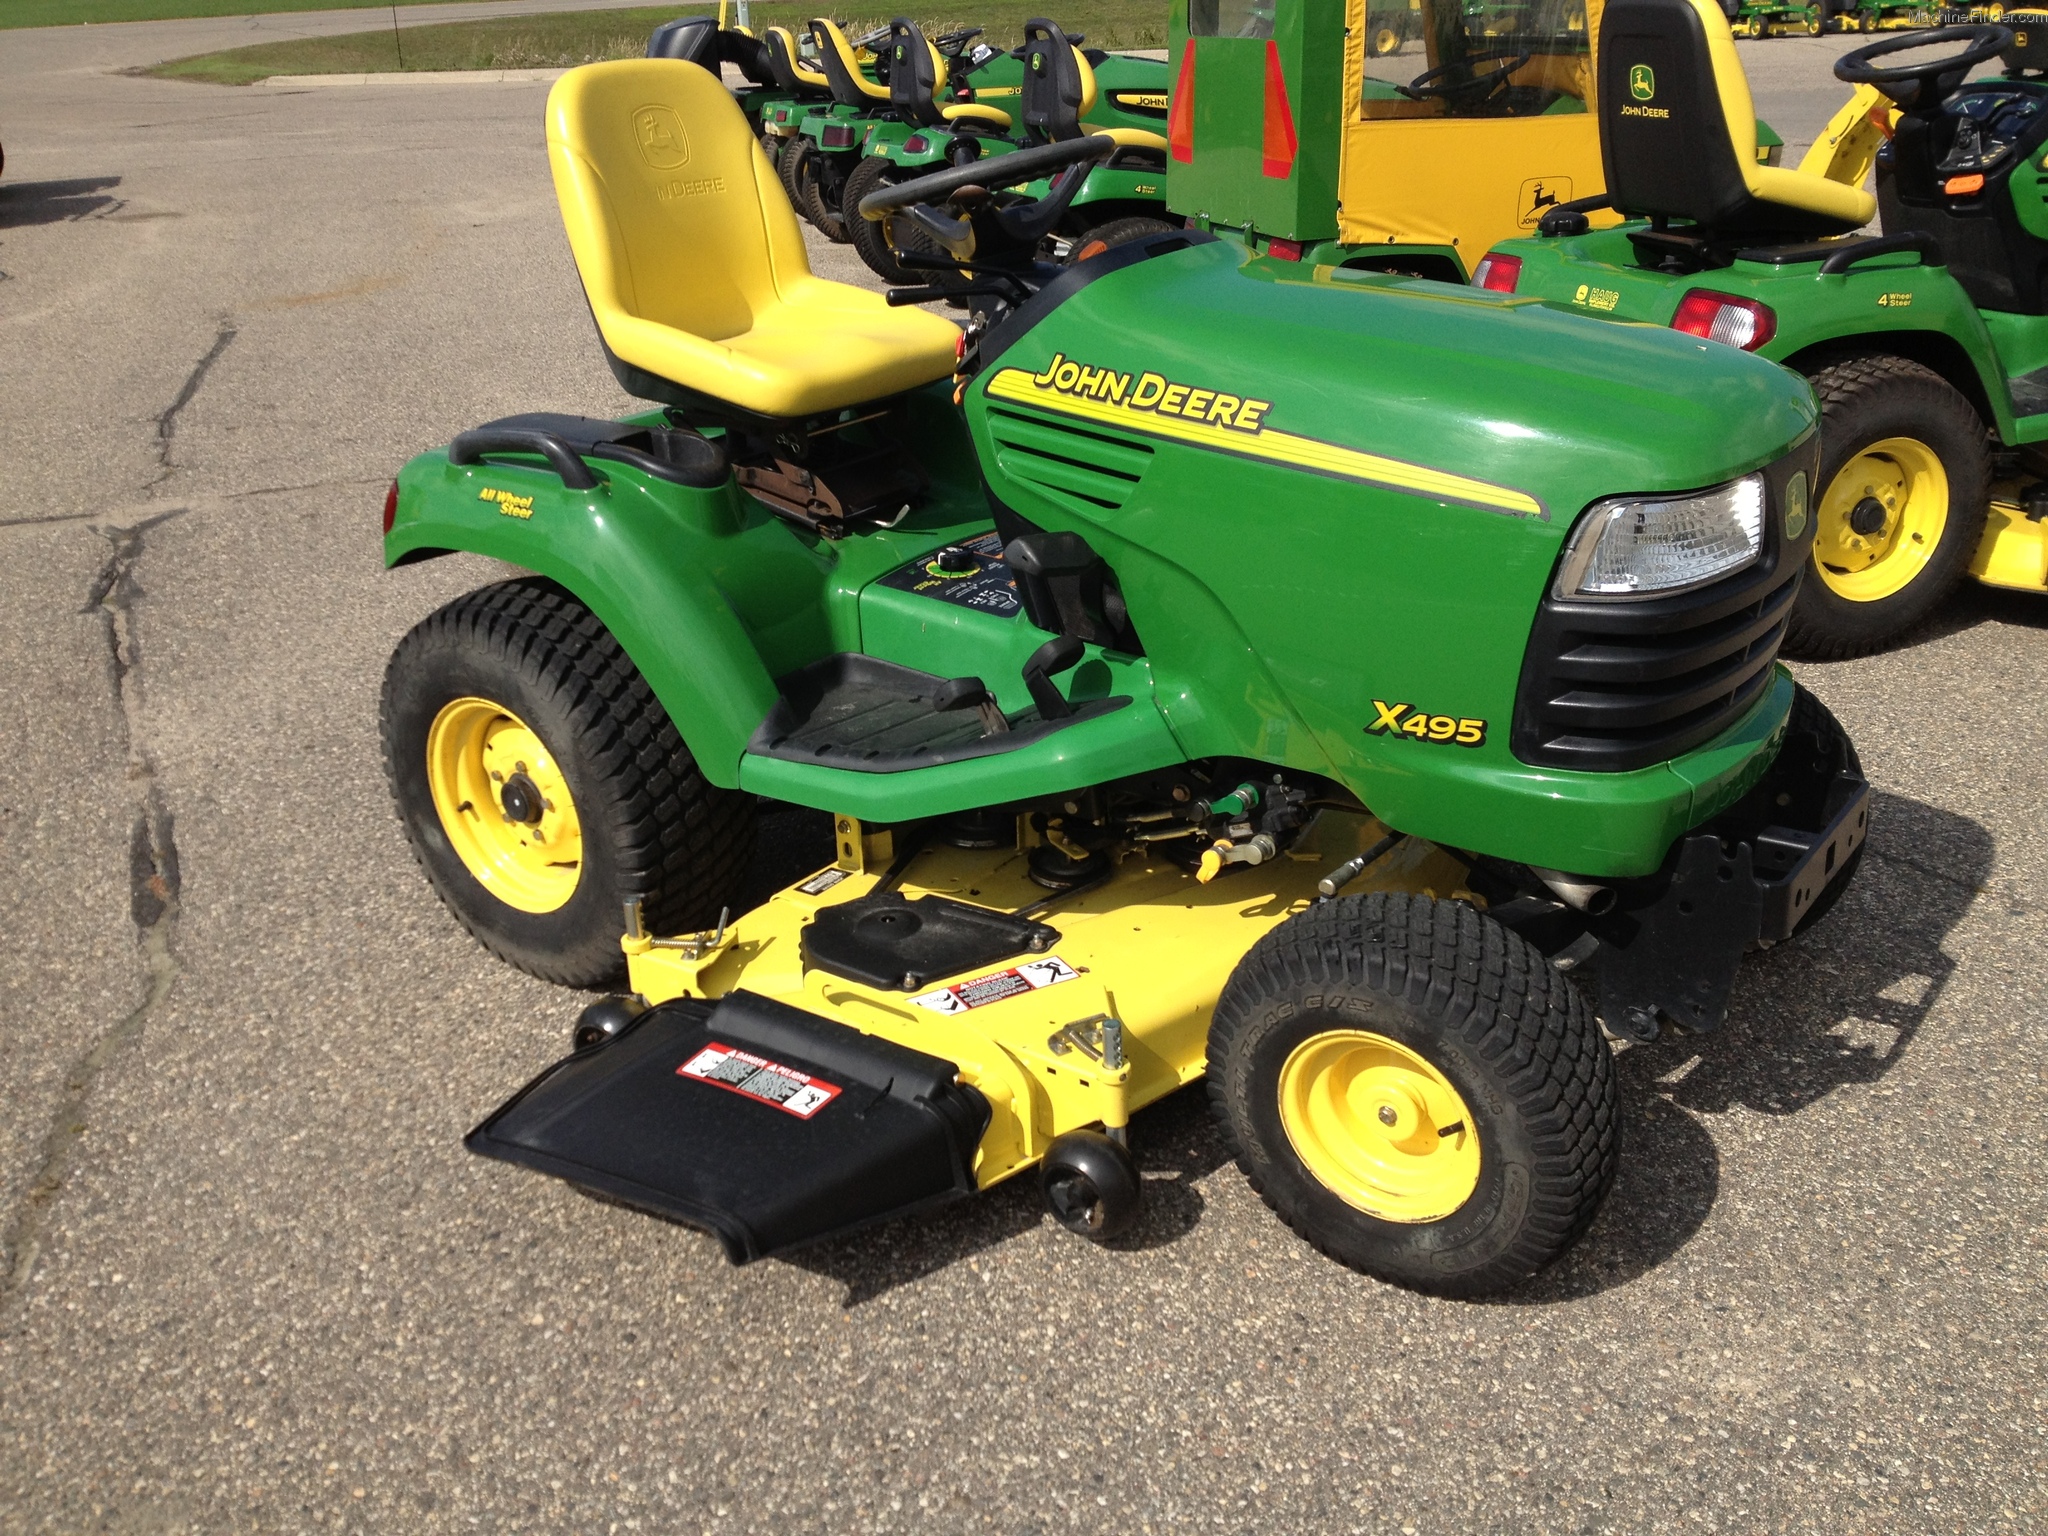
(1087, 469)
(1610, 686)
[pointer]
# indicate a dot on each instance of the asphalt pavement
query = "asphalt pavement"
(253, 1282)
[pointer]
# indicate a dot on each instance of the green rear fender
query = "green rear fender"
(679, 579)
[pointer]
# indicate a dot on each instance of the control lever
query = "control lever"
(1056, 655)
(972, 693)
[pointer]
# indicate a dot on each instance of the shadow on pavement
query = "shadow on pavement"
(1973, 604)
(23, 203)
(1835, 1007)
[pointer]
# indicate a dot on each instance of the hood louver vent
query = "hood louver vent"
(1088, 469)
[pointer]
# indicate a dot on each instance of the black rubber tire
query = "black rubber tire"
(1863, 400)
(653, 827)
(818, 185)
(771, 146)
(1090, 1185)
(1482, 1005)
(788, 170)
(1114, 232)
(865, 235)
(1813, 728)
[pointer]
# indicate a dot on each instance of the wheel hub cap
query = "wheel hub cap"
(504, 805)
(1379, 1125)
(1880, 519)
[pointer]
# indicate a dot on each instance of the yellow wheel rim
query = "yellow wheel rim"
(1881, 519)
(1384, 41)
(1379, 1126)
(504, 804)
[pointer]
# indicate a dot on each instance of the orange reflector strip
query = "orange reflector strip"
(1180, 116)
(1277, 158)
(1962, 186)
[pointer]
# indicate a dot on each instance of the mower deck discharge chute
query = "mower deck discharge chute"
(1189, 700)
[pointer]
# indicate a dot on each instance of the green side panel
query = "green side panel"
(1229, 178)
(1129, 93)
(1890, 302)
(1277, 601)
(709, 593)
(2029, 185)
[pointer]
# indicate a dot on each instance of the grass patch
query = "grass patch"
(64, 13)
(562, 40)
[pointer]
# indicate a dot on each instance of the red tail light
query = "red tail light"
(1498, 272)
(1722, 317)
(915, 144)
(1276, 154)
(1286, 250)
(1180, 116)
(391, 506)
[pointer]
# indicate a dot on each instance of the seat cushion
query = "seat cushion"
(975, 112)
(692, 259)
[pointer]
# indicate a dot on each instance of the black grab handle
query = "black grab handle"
(1928, 247)
(470, 447)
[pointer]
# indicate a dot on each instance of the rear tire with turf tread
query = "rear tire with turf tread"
(653, 827)
(789, 167)
(865, 235)
(1115, 232)
(1485, 1010)
(1865, 400)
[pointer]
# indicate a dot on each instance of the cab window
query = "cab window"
(1486, 58)
(1230, 18)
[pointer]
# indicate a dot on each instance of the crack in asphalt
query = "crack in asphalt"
(153, 887)
(167, 418)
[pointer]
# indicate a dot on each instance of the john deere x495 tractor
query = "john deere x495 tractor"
(1926, 343)
(1192, 697)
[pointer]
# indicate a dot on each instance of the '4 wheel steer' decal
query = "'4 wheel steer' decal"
(1406, 720)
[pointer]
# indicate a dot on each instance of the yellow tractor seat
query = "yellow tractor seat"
(786, 62)
(1678, 130)
(850, 87)
(692, 261)
(1134, 138)
(975, 112)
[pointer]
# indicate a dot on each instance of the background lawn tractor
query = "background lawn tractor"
(1927, 344)
(1191, 696)
(1064, 93)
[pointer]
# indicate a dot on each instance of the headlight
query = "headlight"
(1634, 546)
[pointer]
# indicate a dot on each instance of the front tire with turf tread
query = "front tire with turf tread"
(1484, 1008)
(1865, 400)
(653, 827)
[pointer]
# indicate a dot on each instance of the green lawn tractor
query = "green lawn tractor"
(1927, 344)
(832, 140)
(1192, 697)
(1774, 18)
(1868, 16)
(1064, 93)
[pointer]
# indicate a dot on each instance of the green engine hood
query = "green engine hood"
(1535, 406)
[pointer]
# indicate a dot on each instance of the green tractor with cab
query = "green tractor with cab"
(1191, 698)
(1926, 343)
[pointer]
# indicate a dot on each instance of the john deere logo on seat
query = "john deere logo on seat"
(659, 132)
(1642, 82)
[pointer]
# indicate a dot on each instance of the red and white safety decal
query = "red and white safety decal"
(998, 986)
(737, 1071)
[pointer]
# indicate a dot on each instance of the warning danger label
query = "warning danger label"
(997, 986)
(757, 1077)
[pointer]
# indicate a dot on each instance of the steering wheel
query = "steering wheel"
(1424, 87)
(996, 170)
(1907, 83)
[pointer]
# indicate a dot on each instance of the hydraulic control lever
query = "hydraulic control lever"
(1056, 655)
(972, 693)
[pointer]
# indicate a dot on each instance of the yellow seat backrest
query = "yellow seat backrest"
(825, 31)
(1799, 190)
(692, 258)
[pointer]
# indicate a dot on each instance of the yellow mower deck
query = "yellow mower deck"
(2014, 549)
(1150, 946)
